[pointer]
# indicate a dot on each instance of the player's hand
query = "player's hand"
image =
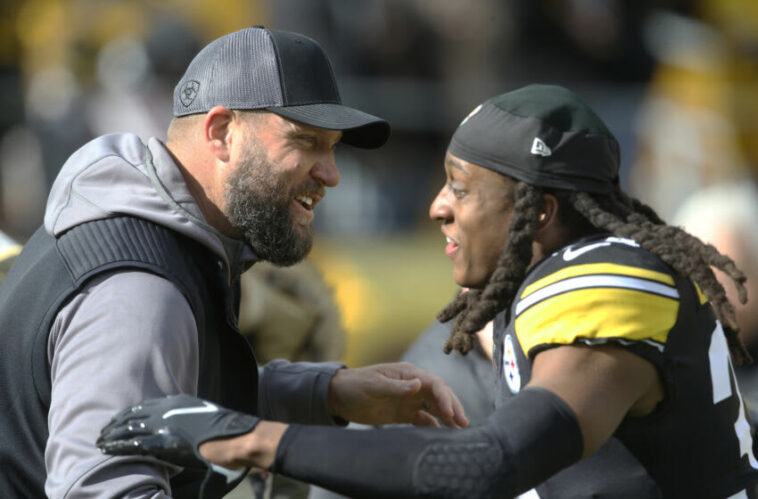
(394, 393)
(171, 429)
(256, 449)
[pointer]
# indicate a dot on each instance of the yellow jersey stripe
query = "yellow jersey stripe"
(594, 314)
(598, 268)
(596, 281)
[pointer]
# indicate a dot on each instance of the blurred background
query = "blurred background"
(676, 81)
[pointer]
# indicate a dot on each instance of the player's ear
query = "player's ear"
(217, 130)
(548, 213)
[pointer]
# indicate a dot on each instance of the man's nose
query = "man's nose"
(325, 170)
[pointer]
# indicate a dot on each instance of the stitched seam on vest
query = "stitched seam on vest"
(121, 242)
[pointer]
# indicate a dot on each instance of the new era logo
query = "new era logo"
(473, 112)
(540, 148)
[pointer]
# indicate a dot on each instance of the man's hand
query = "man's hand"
(171, 429)
(394, 393)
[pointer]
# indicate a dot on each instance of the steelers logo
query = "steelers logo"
(510, 366)
(188, 92)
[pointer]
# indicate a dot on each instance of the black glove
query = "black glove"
(172, 428)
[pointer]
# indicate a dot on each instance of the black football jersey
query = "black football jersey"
(697, 443)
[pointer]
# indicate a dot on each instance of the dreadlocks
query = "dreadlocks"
(477, 307)
(583, 213)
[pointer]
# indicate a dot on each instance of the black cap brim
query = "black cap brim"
(359, 129)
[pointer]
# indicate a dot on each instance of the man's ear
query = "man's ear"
(217, 130)
(548, 213)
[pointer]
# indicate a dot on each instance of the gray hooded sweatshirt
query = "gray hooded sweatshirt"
(130, 335)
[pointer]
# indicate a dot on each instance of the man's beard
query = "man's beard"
(258, 205)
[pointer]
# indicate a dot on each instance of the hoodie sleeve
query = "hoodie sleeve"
(296, 392)
(126, 337)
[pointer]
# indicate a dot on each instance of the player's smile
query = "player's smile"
(452, 247)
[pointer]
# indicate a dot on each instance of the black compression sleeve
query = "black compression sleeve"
(528, 439)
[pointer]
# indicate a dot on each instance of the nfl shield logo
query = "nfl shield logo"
(510, 367)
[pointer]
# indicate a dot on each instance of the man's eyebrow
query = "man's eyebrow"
(456, 163)
(296, 128)
(303, 130)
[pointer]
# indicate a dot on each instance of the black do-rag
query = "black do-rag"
(543, 135)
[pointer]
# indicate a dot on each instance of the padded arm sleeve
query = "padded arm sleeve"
(527, 440)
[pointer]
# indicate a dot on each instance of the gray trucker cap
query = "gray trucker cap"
(282, 72)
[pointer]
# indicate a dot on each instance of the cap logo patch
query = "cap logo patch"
(539, 148)
(473, 112)
(188, 92)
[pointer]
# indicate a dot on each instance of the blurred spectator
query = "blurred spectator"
(53, 108)
(128, 96)
(697, 125)
(290, 313)
(724, 216)
(135, 78)
(687, 136)
(22, 181)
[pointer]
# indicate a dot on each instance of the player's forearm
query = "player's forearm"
(375, 463)
(520, 446)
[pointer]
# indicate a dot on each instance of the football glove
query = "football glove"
(171, 429)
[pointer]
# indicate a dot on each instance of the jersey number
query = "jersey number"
(722, 374)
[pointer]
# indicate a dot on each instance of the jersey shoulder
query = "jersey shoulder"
(597, 290)
(599, 250)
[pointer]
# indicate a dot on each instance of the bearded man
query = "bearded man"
(130, 289)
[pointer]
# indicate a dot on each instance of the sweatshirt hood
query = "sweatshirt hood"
(118, 174)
